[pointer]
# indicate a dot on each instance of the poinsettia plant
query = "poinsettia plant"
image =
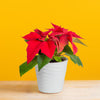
(50, 46)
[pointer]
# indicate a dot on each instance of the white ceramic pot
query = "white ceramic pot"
(51, 77)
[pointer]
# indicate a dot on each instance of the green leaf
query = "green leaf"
(73, 57)
(68, 50)
(78, 41)
(42, 61)
(26, 67)
(76, 60)
(26, 40)
(79, 62)
(58, 59)
(55, 51)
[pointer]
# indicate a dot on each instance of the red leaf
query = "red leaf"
(56, 40)
(43, 34)
(62, 43)
(48, 48)
(75, 35)
(69, 37)
(56, 34)
(46, 33)
(38, 31)
(55, 26)
(74, 48)
(65, 31)
(32, 36)
(32, 49)
(57, 31)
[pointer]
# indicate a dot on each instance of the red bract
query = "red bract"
(43, 34)
(36, 42)
(45, 43)
(62, 36)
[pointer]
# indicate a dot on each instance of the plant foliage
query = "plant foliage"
(48, 46)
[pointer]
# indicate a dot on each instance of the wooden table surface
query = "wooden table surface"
(28, 90)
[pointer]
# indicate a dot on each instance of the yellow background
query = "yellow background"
(19, 17)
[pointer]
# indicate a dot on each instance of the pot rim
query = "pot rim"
(66, 59)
